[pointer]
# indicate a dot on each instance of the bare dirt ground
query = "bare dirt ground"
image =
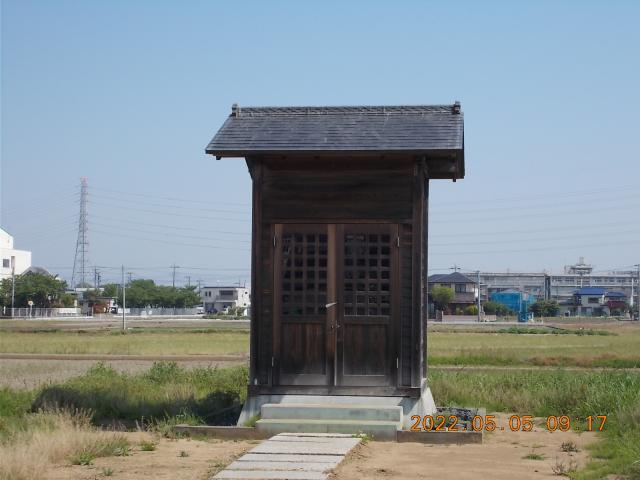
(31, 373)
(500, 457)
(185, 459)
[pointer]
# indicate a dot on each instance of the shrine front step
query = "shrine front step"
(379, 421)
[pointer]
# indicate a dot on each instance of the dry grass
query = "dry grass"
(55, 438)
(153, 342)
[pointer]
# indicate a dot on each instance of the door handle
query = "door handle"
(332, 304)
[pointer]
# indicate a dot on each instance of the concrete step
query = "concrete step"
(379, 430)
(312, 411)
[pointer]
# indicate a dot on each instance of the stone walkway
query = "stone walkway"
(294, 456)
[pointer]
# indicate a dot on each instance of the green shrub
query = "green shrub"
(166, 390)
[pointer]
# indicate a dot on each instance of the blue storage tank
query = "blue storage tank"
(517, 301)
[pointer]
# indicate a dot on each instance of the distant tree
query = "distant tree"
(66, 300)
(442, 296)
(496, 308)
(545, 308)
(42, 289)
(188, 297)
(143, 293)
(110, 290)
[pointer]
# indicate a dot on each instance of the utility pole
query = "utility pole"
(124, 301)
(478, 278)
(130, 277)
(637, 265)
(13, 288)
(173, 278)
(188, 280)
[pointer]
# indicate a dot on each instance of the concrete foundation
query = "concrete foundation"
(424, 405)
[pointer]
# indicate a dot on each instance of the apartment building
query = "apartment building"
(561, 287)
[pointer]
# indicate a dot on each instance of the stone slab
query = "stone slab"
(283, 457)
(307, 448)
(258, 475)
(281, 466)
(299, 439)
(311, 434)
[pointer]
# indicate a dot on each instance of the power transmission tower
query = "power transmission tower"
(82, 243)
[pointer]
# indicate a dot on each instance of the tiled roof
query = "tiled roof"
(454, 277)
(415, 129)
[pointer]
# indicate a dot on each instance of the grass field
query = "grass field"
(137, 342)
(168, 393)
(600, 348)
(616, 348)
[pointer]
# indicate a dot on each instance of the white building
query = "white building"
(563, 286)
(20, 260)
(217, 299)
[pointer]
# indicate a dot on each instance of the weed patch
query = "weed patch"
(576, 394)
(165, 391)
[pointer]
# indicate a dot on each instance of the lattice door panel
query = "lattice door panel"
(367, 274)
(303, 260)
(304, 274)
(367, 269)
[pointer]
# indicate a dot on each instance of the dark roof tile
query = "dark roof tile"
(427, 128)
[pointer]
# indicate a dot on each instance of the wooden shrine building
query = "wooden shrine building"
(339, 242)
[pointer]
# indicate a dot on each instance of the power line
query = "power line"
(159, 212)
(533, 230)
(541, 249)
(566, 237)
(164, 205)
(554, 213)
(561, 194)
(171, 234)
(213, 247)
(538, 206)
(174, 199)
(176, 227)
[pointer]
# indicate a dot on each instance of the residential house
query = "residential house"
(12, 259)
(218, 299)
(465, 290)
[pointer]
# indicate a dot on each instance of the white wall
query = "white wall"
(11, 258)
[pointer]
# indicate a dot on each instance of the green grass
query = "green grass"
(145, 342)
(148, 446)
(533, 456)
(576, 394)
(164, 391)
(519, 347)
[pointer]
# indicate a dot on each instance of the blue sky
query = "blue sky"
(128, 94)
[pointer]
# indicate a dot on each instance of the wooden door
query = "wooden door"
(334, 320)
(304, 275)
(367, 270)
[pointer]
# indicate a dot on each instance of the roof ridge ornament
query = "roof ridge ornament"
(456, 107)
(235, 110)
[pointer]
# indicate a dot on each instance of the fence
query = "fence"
(146, 312)
(34, 312)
